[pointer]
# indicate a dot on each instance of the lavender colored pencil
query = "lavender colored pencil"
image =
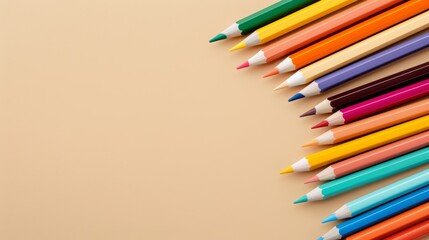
(365, 65)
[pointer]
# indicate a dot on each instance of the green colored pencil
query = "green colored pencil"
(262, 18)
(367, 176)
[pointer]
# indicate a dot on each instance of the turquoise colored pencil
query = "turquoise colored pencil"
(262, 18)
(381, 196)
(367, 176)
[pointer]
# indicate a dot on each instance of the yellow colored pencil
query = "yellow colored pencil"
(358, 50)
(292, 22)
(359, 145)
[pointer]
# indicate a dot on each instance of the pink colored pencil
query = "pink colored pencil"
(377, 104)
(372, 157)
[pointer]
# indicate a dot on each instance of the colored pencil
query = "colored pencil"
(377, 104)
(358, 50)
(373, 123)
(381, 196)
(262, 18)
(318, 30)
(359, 145)
(378, 214)
(350, 36)
(372, 157)
(415, 232)
(367, 176)
(363, 66)
(291, 22)
(371, 89)
(394, 224)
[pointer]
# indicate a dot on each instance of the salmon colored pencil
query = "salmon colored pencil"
(394, 224)
(359, 145)
(372, 157)
(415, 232)
(358, 50)
(318, 30)
(372, 124)
(352, 35)
(291, 22)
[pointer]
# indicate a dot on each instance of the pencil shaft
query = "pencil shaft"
(414, 232)
(394, 224)
(367, 64)
(358, 32)
(390, 82)
(325, 27)
(364, 48)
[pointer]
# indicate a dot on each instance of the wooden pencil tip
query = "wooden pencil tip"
(287, 170)
(311, 143)
(271, 73)
(323, 123)
(243, 65)
(240, 45)
(309, 113)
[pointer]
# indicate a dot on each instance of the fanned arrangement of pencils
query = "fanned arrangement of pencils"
(379, 129)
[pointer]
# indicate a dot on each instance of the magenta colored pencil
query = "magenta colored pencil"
(377, 104)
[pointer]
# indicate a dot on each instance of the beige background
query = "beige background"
(119, 121)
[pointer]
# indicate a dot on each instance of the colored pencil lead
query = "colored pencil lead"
(240, 45)
(321, 124)
(313, 179)
(330, 218)
(287, 170)
(296, 97)
(243, 65)
(282, 85)
(218, 37)
(271, 73)
(301, 200)
(309, 113)
(311, 143)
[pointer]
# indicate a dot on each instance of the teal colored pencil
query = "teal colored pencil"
(366, 176)
(381, 196)
(262, 18)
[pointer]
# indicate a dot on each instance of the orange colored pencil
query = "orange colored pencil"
(415, 232)
(314, 32)
(350, 36)
(394, 224)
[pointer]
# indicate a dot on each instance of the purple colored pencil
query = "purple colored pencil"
(363, 66)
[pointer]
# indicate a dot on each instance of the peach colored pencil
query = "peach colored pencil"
(318, 30)
(372, 124)
(372, 157)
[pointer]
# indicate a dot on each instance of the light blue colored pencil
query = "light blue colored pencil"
(378, 214)
(368, 175)
(381, 196)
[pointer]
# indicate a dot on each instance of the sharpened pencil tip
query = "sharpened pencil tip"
(323, 123)
(287, 170)
(301, 200)
(240, 45)
(320, 238)
(282, 85)
(296, 97)
(218, 37)
(315, 178)
(243, 65)
(330, 218)
(309, 113)
(271, 73)
(311, 143)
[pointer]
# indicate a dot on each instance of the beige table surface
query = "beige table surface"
(119, 121)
